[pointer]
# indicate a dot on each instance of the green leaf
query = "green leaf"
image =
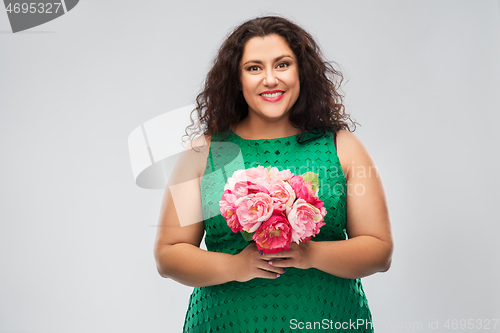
(247, 235)
(313, 178)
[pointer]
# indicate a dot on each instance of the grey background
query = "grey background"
(76, 233)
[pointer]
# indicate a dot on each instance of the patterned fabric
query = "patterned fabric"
(299, 300)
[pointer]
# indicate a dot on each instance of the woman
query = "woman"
(272, 96)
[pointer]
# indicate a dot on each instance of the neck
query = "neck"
(254, 128)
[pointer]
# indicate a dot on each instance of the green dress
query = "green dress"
(299, 300)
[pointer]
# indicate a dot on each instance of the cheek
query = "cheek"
(291, 79)
(244, 82)
(246, 89)
(249, 85)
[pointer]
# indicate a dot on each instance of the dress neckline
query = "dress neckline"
(260, 140)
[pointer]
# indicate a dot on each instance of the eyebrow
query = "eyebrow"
(275, 59)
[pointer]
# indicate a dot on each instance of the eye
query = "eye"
(253, 68)
(283, 65)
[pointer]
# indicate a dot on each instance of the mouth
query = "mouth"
(272, 96)
(274, 93)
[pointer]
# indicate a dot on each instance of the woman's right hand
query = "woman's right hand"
(248, 264)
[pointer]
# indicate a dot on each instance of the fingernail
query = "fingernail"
(270, 262)
(284, 271)
(278, 275)
(261, 253)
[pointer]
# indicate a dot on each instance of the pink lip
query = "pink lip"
(272, 99)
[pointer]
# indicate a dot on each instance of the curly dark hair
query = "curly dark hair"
(318, 109)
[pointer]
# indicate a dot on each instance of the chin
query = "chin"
(274, 114)
(274, 117)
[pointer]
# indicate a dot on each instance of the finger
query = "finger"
(269, 266)
(268, 275)
(278, 255)
(288, 262)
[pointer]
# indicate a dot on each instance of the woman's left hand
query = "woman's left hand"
(299, 256)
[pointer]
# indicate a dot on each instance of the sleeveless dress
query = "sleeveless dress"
(301, 300)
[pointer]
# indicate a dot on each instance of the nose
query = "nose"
(270, 79)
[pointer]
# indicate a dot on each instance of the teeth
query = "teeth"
(276, 94)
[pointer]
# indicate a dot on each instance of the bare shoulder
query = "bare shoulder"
(349, 142)
(201, 141)
(351, 151)
(192, 161)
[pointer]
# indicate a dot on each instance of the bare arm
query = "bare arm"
(180, 230)
(369, 247)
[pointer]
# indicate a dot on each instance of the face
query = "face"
(269, 77)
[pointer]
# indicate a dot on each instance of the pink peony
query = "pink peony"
(258, 173)
(243, 188)
(304, 190)
(274, 235)
(318, 204)
(282, 194)
(305, 220)
(285, 175)
(258, 176)
(253, 209)
(228, 210)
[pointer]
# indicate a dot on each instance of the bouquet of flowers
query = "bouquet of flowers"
(272, 207)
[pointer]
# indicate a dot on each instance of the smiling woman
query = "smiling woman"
(270, 100)
(270, 84)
